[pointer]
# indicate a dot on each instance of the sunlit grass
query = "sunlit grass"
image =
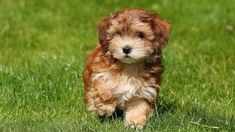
(43, 46)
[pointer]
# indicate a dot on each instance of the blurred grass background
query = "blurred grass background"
(43, 46)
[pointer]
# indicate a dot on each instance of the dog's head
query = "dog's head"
(132, 35)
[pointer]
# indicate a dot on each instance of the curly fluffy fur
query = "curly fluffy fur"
(124, 71)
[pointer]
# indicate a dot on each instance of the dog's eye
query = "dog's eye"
(140, 35)
(118, 33)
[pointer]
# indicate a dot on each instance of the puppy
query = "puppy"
(124, 71)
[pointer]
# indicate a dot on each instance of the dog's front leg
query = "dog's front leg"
(137, 113)
(104, 100)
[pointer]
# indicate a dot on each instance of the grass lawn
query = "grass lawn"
(43, 46)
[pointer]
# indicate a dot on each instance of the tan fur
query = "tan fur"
(114, 81)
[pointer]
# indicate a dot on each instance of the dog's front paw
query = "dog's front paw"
(106, 109)
(135, 121)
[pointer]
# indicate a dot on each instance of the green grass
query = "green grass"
(43, 46)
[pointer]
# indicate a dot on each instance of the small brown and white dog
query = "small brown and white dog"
(124, 71)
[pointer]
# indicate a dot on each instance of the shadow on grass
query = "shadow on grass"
(161, 107)
(117, 115)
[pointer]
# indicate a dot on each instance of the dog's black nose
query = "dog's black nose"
(126, 49)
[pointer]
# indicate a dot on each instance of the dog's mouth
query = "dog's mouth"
(127, 56)
(127, 59)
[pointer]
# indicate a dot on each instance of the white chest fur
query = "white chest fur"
(126, 85)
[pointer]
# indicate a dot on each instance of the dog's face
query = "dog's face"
(132, 35)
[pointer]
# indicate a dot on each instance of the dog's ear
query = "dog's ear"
(102, 30)
(161, 30)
